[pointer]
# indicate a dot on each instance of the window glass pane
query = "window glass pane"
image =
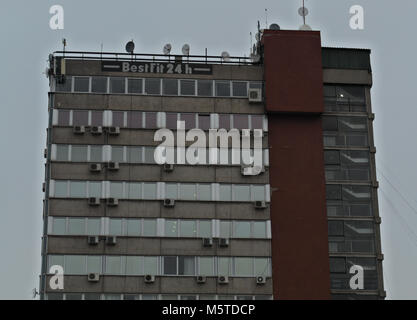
(134, 266)
(58, 226)
(188, 228)
(150, 265)
(112, 297)
(171, 191)
(118, 118)
(149, 191)
(94, 189)
(257, 122)
(81, 84)
(80, 118)
(337, 265)
(134, 86)
(63, 117)
(171, 228)
(225, 192)
(243, 266)
(76, 226)
(131, 297)
(240, 89)
(258, 193)
(115, 227)
(189, 119)
(170, 265)
(61, 152)
(241, 229)
(186, 266)
(78, 189)
(113, 265)
(244, 298)
(187, 87)
(96, 118)
(133, 227)
(255, 85)
(92, 296)
(262, 267)
(116, 190)
(169, 297)
(204, 192)
(61, 188)
(152, 86)
(135, 190)
(134, 119)
(96, 154)
(207, 297)
(223, 267)
(240, 121)
(73, 296)
(56, 261)
(206, 266)
(204, 121)
(149, 227)
(149, 297)
(223, 88)
(93, 226)
(117, 85)
(99, 84)
(79, 153)
(117, 154)
(225, 229)
(204, 230)
(170, 87)
(65, 85)
(55, 296)
(135, 154)
(241, 193)
(171, 120)
(149, 154)
(205, 88)
(187, 191)
(259, 229)
(93, 264)
(224, 121)
(150, 120)
(75, 265)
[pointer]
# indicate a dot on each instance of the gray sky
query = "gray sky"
(26, 41)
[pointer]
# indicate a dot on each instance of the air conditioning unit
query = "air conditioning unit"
(260, 280)
(114, 131)
(78, 129)
(255, 95)
(95, 167)
(96, 130)
(43, 187)
(149, 278)
(45, 153)
(168, 167)
(201, 279)
(223, 242)
(111, 240)
(169, 202)
(113, 166)
(223, 279)
(260, 204)
(94, 201)
(112, 202)
(93, 240)
(207, 242)
(93, 277)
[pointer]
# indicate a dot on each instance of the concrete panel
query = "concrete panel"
(344, 76)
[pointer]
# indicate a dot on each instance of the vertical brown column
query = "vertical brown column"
(294, 102)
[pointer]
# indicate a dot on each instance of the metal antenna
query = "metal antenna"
(303, 11)
(64, 43)
(250, 34)
(266, 18)
(304, 14)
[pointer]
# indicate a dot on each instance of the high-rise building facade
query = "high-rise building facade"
(122, 226)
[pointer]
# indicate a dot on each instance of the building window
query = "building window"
(63, 86)
(133, 227)
(171, 121)
(135, 154)
(75, 265)
(257, 122)
(171, 228)
(134, 266)
(225, 192)
(76, 226)
(204, 229)
(59, 226)
(62, 153)
(150, 120)
(187, 87)
(78, 189)
(241, 193)
(94, 264)
(188, 228)
(117, 85)
(240, 89)
(337, 265)
(135, 190)
(223, 88)
(118, 118)
(152, 86)
(149, 228)
(204, 192)
(116, 190)
(134, 86)
(262, 267)
(61, 189)
(150, 265)
(81, 84)
(243, 266)
(186, 266)
(204, 121)
(96, 154)
(80, 118)
(170, 265)
(189, 119)
(224, 229)
(224, 121)
(134, 119)
(96, 118)
(94, 189)
(78, 153)
(187, 191)
(149, 191)
(259, 229)
(99, 84)
(241, 229)
(205, 88)
(206, 265)
(114, 265)
(223, 266)
(93, 226)
(170, 87)
(117, 154)
(63, 117)
(115, 227)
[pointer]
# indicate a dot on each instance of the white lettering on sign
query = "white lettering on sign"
(155, 67)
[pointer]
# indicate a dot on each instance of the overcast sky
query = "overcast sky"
(26, 41)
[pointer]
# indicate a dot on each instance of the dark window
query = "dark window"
(152, 86)
(223, 88)
(99, 84)
(63, 84)
(240, 121)
(331, 157)
(134, 119)
(170, 87)
(189, 119)
(118, 119)
(204, 121)
(330, 124)
(187, 87)
(240, 89)
(97, 118)
(150, 120)
(63, 117)
(134, 86)
(81, 84)
(170, 265)
(117, 85)
(171, 120)
(224, 121)
(205, 88)
(337, 265)
(333, 192)
(80, 118)
(257, 122)
(335, 228)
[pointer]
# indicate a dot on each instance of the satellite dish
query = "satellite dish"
(274, 26)
(225, 56)
(305, 27)
(130, 47)
(167, 49)
(186, 49)
(303, 11)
